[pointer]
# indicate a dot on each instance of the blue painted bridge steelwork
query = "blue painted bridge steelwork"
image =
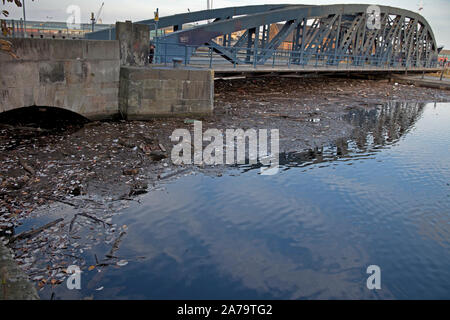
(333, 37)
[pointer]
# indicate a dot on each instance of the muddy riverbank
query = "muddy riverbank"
(88, 171)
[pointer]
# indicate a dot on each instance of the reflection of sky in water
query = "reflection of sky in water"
(308, 232)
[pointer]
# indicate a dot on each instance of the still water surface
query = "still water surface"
(310, 232)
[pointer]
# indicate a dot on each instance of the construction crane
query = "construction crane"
(99, 12)
(94, 19)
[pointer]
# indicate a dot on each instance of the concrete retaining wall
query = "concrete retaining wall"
(78, 75)
(84, 76)
(165, 92)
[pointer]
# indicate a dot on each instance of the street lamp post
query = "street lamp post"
(24, 20)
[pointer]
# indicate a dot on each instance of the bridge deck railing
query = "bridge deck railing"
(243, 57)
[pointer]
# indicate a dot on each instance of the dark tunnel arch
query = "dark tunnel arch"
(44, 117)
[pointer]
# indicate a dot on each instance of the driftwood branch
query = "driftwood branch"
(97, 220)
(34, 232)
(172, 174)
(72, 223)
(60, 201)
(94, 219)
(27, 167)
(116, 243)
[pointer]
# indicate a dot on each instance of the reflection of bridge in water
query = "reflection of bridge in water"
(375, 130)
(284, 38)
(384, 125)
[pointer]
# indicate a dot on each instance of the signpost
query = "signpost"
(157, 20)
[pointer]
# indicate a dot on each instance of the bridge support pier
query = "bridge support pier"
(164, 92)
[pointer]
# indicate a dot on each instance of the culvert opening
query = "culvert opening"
(36, 125)
(46, 118)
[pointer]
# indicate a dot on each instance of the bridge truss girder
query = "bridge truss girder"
(335, 32)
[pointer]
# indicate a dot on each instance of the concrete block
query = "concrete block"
(101, 50)
(51, 72)
(174, 74)
(170, 94)
(201, 75)
(153, 94)
(26, 73)
(14, 99)
(112, 84)
(134, 96)
(171, 84)
(76, 71)
(144, 74)
(28, 96)
(153, 84)
(45, 95)
(165, 93)
(104, 71)
(29, 50)
(196, 90)
(64, 49)
(60, 98)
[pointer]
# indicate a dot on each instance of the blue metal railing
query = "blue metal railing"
(208, 56)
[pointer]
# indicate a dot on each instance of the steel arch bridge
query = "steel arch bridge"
(355, 34)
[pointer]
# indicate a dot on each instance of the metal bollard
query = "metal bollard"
(177, 63)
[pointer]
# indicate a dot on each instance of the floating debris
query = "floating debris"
(122, 263)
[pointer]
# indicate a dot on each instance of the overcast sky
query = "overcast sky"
(437, 12)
